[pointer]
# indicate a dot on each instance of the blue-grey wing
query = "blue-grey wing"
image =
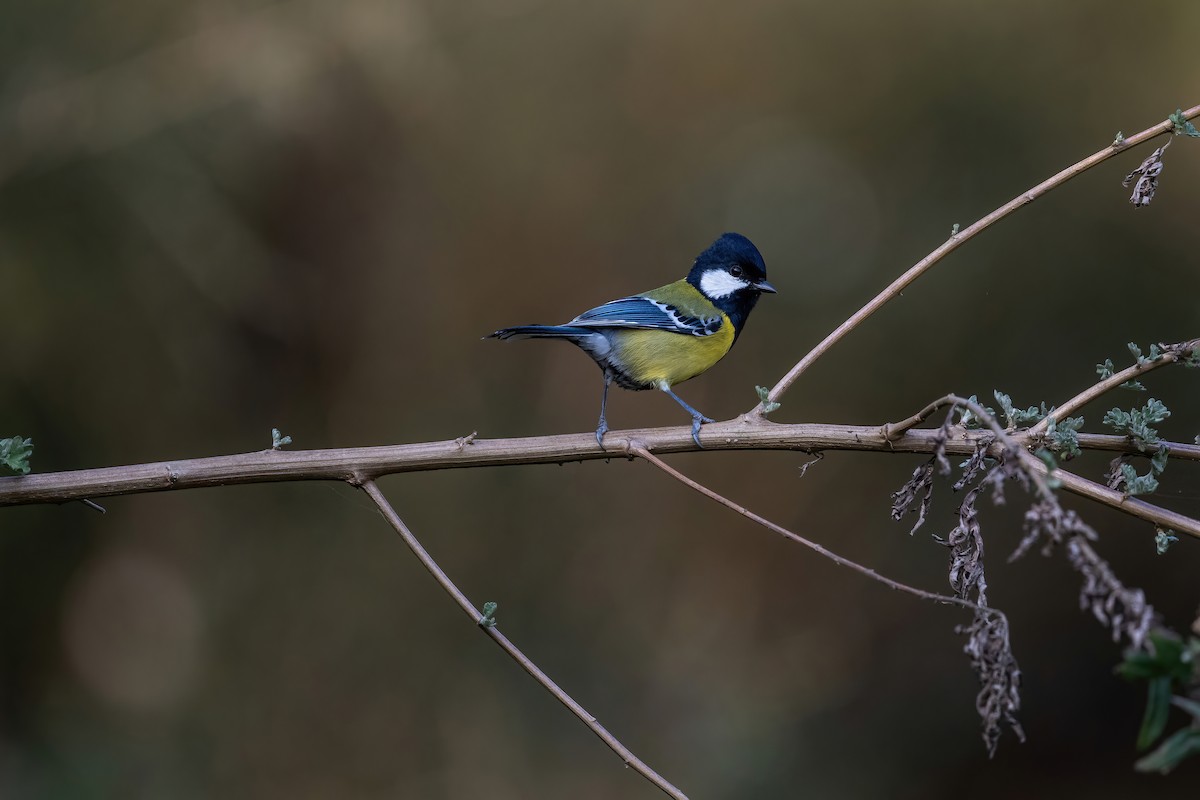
(646, 314)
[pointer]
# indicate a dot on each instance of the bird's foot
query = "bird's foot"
(697, 421)
(601, 429)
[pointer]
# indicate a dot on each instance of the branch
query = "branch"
(952, 244)
(1107, 441)
(1171, 354)
(357, 465)
(1160, 516)
(511, 649)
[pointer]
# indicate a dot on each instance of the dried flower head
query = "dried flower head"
(1147, 177)
(991, 657)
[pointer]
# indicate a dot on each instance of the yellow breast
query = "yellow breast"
(661, 357)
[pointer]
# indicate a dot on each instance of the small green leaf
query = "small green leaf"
(954, 229)
(1183, 127)
(1170, 657)
(1117, 419)
(1178, 746)
(764, 397)
(278, 440)
(1063, 435)
(1136, 423)
(1155, 411)
(968, 419)
(1158, 462)
(1136, 352)
(488, 620)
(1105, 370)
(1134, 385)
(1138, 484)
(1005, 402)
(1158, 706)
(1118, 140)
(1163, 540)
(15, 453)
(1016, 417)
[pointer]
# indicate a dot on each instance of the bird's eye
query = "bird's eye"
(736, 270)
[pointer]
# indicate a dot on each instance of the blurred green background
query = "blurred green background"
(219, 216)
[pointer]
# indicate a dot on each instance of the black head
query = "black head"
(731, 273)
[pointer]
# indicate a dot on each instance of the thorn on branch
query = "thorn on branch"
(463, 441)
(92, 504)
(817, 456)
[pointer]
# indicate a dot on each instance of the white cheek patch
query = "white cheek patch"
(719, 283)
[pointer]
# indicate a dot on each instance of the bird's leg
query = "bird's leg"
(602, 428)
(697, 417)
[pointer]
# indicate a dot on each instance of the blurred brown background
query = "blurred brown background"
(219, 216)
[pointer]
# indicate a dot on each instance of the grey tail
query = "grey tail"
(541, 332)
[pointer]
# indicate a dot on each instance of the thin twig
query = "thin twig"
(641, 452)
(1170, 355)
(894, 430)
(511, 649)
(952, 244)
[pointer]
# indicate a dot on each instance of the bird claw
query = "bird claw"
(601, 429)
(696, 423)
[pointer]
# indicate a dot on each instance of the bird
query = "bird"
(663, 337)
